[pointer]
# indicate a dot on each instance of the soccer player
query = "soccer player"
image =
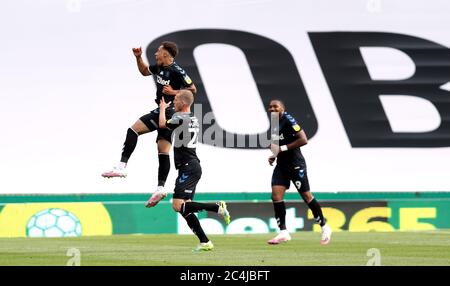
(170, 78)
(186, 129)
(291, 166)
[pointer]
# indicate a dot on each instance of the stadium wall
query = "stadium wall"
(366, 79)
(99, 214)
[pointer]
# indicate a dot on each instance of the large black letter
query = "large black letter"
(357, 96)
(271, 64)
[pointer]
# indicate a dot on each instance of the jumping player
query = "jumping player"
(170, 78)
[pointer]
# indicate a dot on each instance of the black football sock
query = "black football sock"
(164, 168)
(129, 145)
(280, 214)
(192, 207)
(317, 212)
(195, 226)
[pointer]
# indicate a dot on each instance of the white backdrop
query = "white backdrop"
(69, 89)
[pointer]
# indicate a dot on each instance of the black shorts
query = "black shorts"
(282, 176)
(151, 120)
(188, 176)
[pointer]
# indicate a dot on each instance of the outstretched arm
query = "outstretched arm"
(142, 66)
(162, 113)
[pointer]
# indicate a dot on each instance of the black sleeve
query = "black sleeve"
(153, 69)
(293, 123)
(174, 122)
(185, 80)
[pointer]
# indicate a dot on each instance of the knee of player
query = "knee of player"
(177, 207)
(306, 196)
(277, 197)
(139, 128)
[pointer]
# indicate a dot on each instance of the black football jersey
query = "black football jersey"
(186, 129)
(286, 134)
(172, 75)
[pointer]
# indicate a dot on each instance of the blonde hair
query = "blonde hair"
(186, 97)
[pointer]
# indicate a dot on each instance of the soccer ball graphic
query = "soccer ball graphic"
(53, 222)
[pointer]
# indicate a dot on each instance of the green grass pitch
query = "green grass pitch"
(395, 248)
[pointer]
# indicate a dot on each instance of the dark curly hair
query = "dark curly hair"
(170, 47)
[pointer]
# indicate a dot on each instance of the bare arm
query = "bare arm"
(272, 160)
(142, 66)
(162, 113)
(192, 89)
(299, 142)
